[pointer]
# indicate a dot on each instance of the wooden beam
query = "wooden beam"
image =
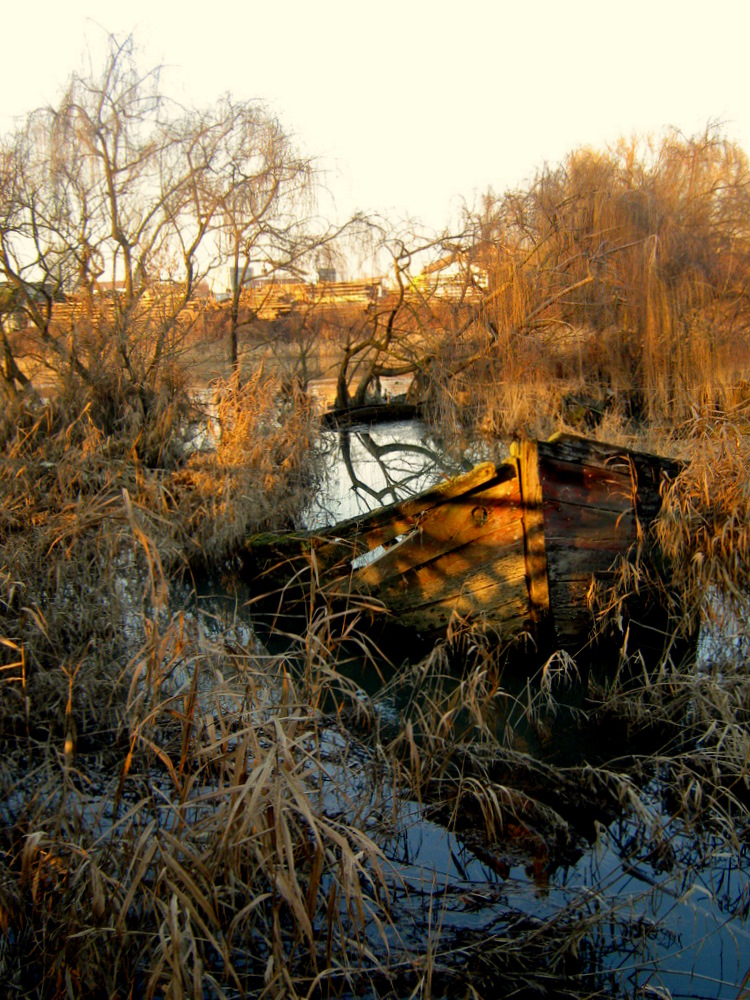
(533, 521)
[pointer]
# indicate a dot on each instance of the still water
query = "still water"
(367, 467)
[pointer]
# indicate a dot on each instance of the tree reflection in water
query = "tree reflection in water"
(367, 467)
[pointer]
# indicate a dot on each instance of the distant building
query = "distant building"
(238, 275)
(259, 274)
(109, 288)
(453, 276)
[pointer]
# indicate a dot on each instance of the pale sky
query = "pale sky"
(412, 106)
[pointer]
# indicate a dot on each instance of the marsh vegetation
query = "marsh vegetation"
(188, 809)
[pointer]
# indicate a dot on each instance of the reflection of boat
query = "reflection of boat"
(517, 545)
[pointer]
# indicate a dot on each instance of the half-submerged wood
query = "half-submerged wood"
(517, 546)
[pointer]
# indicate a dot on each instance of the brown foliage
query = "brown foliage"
(618, 277)
(90, 532)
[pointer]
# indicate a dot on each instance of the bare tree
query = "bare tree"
(124, 202)
(386, 339)
(262, 190)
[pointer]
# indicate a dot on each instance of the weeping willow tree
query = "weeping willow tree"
(626, 267)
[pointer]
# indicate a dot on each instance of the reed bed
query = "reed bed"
(614, 287)
(163, 832)
(191, 856)
(187, 814)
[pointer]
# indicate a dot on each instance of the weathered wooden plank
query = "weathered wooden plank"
(497, 592)
(565, 532)
(489, 513)
(585, 451)
(573, 615)
(482, 592)
(581, 543)
(646, 473)
(420, 549)
(565, 562)
(600, 489)
(461, 570)
(590, 519)
(381, 525)
(534, 531)
(348, 539)
(510, 617)
(562, 515)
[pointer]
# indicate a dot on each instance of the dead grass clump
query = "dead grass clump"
(692, 712)
(259, 474)
(684, 729)
(91, 535)
(145, 408)
(74, 567)
(703, 529)
(493, 389)
(174, 815)
(223, 852)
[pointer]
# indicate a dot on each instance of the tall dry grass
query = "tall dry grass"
(704, 526)
(175, 817)
(213, 842)
(209, 847)
(91, 534)
(185, 814)
(616, 284)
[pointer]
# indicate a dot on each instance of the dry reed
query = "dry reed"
(185, 814)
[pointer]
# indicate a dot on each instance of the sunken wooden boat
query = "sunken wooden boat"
(517, 546)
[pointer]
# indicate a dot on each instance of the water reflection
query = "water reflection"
(369, 466)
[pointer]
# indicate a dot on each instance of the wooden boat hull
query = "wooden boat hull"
(517, 546)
